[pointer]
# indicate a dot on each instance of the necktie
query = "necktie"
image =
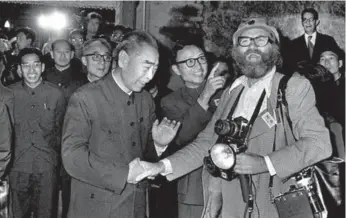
(310, 46)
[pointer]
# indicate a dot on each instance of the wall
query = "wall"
(222, 18)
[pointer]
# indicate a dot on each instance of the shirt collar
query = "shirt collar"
(313, 39)
(265, 82)
(120, 85)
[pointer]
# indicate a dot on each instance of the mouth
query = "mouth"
(32, 76)
(253, 57)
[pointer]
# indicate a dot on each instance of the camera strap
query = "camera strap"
(230, 114)
(281, 100)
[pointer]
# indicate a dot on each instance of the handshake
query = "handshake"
(141, 169)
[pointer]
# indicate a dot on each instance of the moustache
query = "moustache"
(255, 51)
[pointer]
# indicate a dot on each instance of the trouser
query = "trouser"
(65, 182)
(189, 211)
(35, 193)
(163, 200)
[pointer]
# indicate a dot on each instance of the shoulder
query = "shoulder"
(172, 97)
(5, 93)
(298, 88)
(324, 36)
(298, 39)
(88, 90)
(16, 86)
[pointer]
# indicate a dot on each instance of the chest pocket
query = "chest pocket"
(47, 116)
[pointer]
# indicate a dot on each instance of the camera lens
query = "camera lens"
(224, 127)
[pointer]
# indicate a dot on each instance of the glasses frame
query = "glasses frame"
(253, 39)
(194, 61)
(94, 57)
(310, 20)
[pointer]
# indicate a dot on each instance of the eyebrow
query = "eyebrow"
(149, 62)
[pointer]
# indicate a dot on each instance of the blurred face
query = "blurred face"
(95, 60)
(222, 70)
(138, 67)
(253, 60)
(117, 36)
(93, 26)
(31, 69)
(62, 54)
(309, 23)
(77, 41)
(191, 65)
(330, 61)
(22, 41)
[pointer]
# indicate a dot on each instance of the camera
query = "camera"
(306, 181)
(233, 139)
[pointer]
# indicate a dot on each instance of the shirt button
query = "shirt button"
(132, 123)
(129, 102)
(141, 119)
(133, 143)
(59, 84)
(92, 195)
(32, 106)
(32, 131)
(33, 93)
(32, 143)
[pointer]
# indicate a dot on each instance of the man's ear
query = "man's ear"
(341, 63)
(72, 54)
(42, 67)
(123, 59)
(84, 61)
(175, 69)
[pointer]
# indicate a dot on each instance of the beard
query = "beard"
(259, 69)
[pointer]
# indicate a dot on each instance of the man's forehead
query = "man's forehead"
(98, 47)
(255, 32)
(30, 57)
(308, 15)
(329, 53)
(61, 44)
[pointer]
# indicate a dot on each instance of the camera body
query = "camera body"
(233, 139)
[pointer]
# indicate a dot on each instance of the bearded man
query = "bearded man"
(270, 156)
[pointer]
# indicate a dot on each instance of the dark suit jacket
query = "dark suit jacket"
(105, 129)
(299, 50)
(182, 106)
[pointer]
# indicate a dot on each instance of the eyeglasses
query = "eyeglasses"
(33, 65)
(97, 57)
(192, 61)
(260, 41)
(77, 40)
(310, 20)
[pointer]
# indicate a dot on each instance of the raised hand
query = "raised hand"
(164, 132)
(213, 83)
(135, 170)
(150, 170)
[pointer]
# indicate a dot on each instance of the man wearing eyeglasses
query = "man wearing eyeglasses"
(39, 107)
(256, 55)
(76, 38)
(97, 57)
(190, 105)
(307, 47)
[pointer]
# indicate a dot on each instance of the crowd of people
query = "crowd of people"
(89, 116)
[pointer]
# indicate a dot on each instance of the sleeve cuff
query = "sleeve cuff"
(159, 150)
(270, 166)
(168, 167)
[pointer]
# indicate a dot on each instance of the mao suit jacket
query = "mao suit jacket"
(313, 145)
(105, 129)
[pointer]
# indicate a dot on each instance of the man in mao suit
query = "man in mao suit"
(107, 125)
(308, 47)
(256, 54)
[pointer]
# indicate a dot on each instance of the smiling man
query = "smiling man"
(256, 54)
(39, 107)
(307, 47)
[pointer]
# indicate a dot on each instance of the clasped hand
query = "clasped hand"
(163, 134)
(142, 169)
